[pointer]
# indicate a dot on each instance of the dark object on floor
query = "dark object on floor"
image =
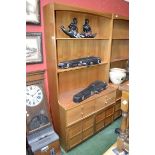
(86, 61)
(93, 88)
(87, 32)
(118, 131)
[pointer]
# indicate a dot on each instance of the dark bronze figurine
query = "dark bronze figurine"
(72, 30)
(87, 32)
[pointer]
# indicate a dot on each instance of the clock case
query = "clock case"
(37, 117)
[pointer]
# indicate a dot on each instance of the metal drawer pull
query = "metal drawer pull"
(44, 149)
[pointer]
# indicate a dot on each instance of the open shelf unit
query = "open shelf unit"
(76, 122)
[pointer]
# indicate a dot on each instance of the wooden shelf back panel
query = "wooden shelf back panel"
(81, 78)
(74, 49)
(119, 64)
(99, 24)
(120, 49)
(120, 29)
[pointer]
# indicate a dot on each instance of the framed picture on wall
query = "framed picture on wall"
(34, 52)
(33, 12)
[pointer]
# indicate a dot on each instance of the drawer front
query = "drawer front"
(73, 115)
(87, 123)
(118, 105)
(117, 114)
(74, 130)
(100, 116)
(100, 103)
(110, 98)
(99, 125)
(88, 108)
(87, 133)
(109, 111)
(75, 140)
(108, 120)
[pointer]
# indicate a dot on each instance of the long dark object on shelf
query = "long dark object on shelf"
(86, 61)
(94, 88)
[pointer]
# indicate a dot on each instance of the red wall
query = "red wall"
(113, 6)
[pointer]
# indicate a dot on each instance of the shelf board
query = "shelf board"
(123, 38)
(66, 99)
(82, 38)
(59, 70)
(119, 59)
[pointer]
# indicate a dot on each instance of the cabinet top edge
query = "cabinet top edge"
(63, 7)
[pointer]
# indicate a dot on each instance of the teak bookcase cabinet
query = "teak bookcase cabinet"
(76, 122)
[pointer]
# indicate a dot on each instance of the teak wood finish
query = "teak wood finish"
(77, 122)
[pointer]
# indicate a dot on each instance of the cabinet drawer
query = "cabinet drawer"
(88, 108)
(100, 116)
(110, 98)
(87, 133)
(117, 114)
(118, 105)
(108, 120)
(109, 111)
(74, 129)
(100, 103)
(75, 140)
(73, 115)
(99, 125)
(87, 123)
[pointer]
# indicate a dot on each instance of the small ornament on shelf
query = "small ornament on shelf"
(87, 32)
(72, 30)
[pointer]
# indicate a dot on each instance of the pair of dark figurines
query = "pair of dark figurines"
(72, 30)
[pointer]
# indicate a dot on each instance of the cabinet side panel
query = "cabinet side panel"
(49, 28)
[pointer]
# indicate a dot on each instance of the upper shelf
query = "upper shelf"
(59, 70)
(119, 59)
(82, 38)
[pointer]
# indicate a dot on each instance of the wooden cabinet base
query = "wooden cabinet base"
(51, 149)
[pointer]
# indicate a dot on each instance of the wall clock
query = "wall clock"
(37, 115)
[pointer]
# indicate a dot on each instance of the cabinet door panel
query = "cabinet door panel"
(108, 120)
(99, 125)
(75, 140)
(73, 115)
(109, 111)
(100, 116)
(117, 114)
(87, 123)
(118, 105)
(87, 133)
(74, 129)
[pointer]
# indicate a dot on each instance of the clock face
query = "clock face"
(34, 95)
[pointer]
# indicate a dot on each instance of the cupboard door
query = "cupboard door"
(88, 108)
(87, 133)
(88, 123)
(99, 125)
(74, 130)
(75, 140)
(100, 116)
(118, 105)
(109, 111)
(117, 114)
(73, 115)
(108, 120)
